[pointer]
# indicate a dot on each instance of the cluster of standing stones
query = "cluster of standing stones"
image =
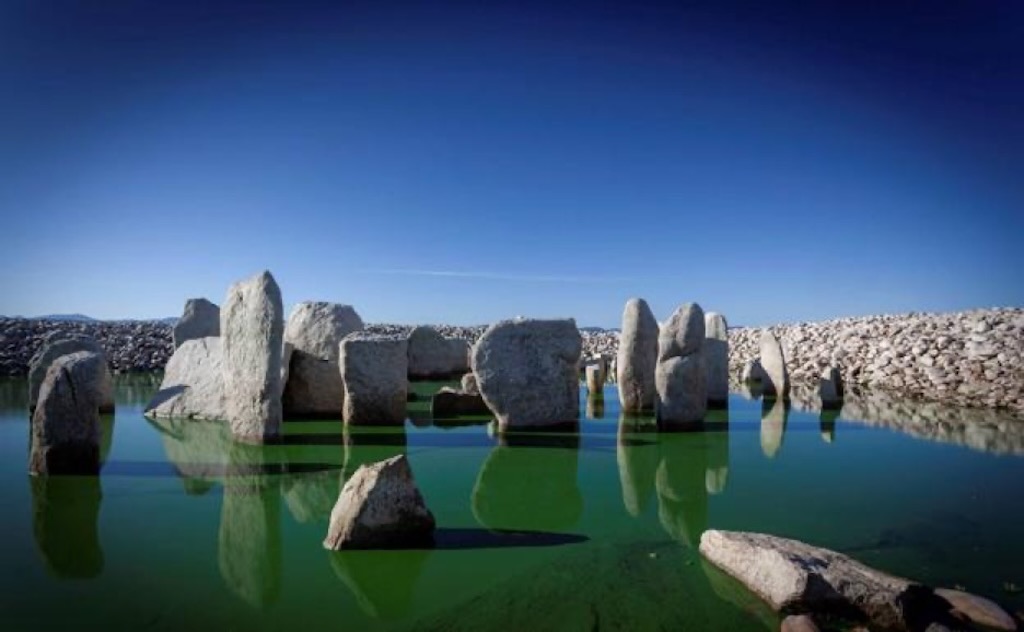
(244, 364)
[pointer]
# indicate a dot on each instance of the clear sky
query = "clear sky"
(466, 162)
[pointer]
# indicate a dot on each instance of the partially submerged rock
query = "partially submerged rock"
(469, 385)
(65, 431)
(830, 389)
(595, 380)
(637, 357)
(55, 346)
(193, 385)
(252, 331)
(716, 359)
(794, 577)
(978, 609)
(314, 332)
(374, 372)
(449, 402)
(200, 319)
(527, 372)
(680, 375)
(380, 507)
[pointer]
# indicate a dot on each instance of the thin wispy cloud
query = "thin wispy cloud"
(494, 276)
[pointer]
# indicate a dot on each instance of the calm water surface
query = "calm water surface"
(590, 530)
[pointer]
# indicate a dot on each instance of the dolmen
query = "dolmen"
(637, 357)
(527, 372)
(200, 319)
(312, 338)
(380, 507)
(680, 377)
(374, 370)
(236, 377)
(797, 578)
(65, 428)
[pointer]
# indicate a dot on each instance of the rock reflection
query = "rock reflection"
(680, 482)
(198, 450)
(637, 463)
(365, 444)
(310, 497)
(249, 553)
(528, 482)
(382, 582)
(827, 423)
(594, 406)
(65, 513)
(774, 415)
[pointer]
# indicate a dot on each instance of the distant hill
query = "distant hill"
(78, 318)
(82, 318)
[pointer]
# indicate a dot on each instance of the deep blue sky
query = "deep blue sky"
(446, 162)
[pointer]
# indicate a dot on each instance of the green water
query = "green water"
(588, 530)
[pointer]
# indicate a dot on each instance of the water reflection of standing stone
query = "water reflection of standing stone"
(638, 461)
(681, 485)
(774, 415)
(365, 445)
(381, 581)
(827, 422)
(65, 511)
(594, 406)
(249, 551)
(528, 482)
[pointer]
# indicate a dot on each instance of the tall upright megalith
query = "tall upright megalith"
(775, 377)
(680, 377)
(252, 332)
(637, 357)
(716, 359)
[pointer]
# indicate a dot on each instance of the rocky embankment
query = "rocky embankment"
(129, 345)
(973, 358)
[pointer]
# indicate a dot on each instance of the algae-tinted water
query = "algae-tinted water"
(590, 530)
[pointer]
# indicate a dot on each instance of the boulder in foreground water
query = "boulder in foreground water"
(56, 345)
(380, 507)
(526, 371)
(193, 384)
(65, 431)
(200, 319)
(252, 337)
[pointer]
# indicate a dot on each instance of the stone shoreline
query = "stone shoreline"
(972, 358)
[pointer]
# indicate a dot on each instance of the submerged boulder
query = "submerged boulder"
(380, 506)
(637, 357)
(314, 333)
(200, 319)
(56, 345)
(432, 356)
(775, 377)
(252, 331)
(193, 385)
(680, 375)
(716, 359)
(449, 402)
(65, 431)
(527, 371)
(374, 372)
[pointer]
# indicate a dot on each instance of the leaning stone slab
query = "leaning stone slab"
(716, 359)
(193, 385)
(526, 371)
(252, 332)
(65, 433)
(794, 577)
(314, 331)
(56, 345)
(380, 507)
(200, 319)
(637, 357)
(374, 371)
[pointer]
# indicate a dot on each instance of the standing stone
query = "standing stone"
(595, 380)
(193, 385)
(716, 359)
(314, 331)
(380, 506)
(830, 389)
(56, 345)
(526, 371)
(637, 357)
(252, 331)
(432, 356)
(65, 436)
(775, 381)
(374, 370)
(680, 376)
(201, 319)
(469, 386)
